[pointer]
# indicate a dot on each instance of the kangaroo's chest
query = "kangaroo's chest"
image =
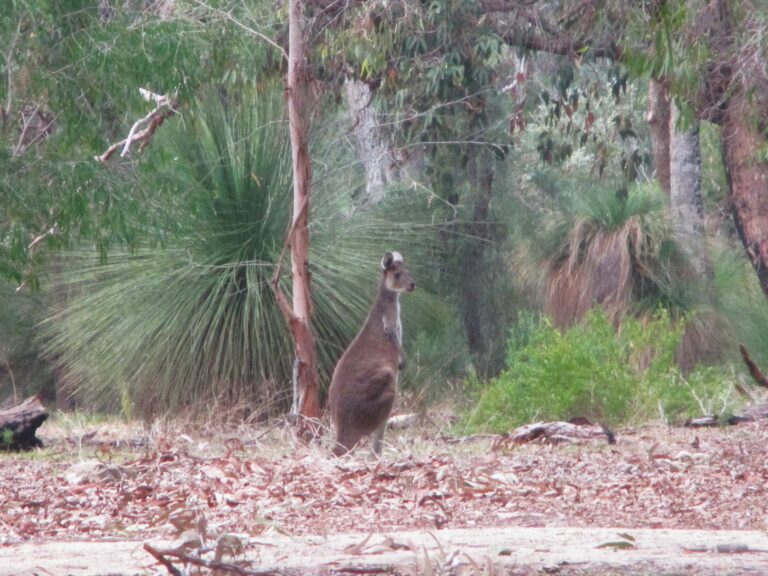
(391, 319)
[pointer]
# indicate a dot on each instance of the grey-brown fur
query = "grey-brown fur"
(364, 382)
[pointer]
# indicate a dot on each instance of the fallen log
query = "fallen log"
(19, 424)
(578, 430)
(750, 413)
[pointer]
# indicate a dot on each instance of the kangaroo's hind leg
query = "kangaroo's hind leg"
(378, 438)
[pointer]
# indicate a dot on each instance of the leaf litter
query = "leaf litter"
(714, 479)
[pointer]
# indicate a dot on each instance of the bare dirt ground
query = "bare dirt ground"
(660, 501)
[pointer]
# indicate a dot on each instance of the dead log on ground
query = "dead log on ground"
(558, 432)
(19, 424)
(750, 413)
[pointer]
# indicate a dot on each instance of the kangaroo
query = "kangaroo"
(364, 382)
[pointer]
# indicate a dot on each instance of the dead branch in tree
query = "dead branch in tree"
(165, 107)
(32, 121)
(32, 248)
(162, 555)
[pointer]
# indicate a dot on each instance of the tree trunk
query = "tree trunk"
(306, 387)
(658, 119)
(747, 181)
(371, 144)
(685, 193)
(482, 328)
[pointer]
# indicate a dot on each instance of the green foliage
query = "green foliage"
(80, 66)
(589, 118)
(22, 370)
(742, 304)
(669, 51)
(593, 370)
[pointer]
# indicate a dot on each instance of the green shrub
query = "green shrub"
(592, 370)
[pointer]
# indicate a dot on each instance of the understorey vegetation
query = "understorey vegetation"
(617, 376)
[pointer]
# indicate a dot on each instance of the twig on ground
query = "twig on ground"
(162, 554)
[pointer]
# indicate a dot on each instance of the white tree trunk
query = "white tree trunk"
(371, 142)
(685, 193)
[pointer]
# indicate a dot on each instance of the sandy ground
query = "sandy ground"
(464, 551)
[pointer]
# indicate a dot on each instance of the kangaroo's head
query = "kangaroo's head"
(396, 275)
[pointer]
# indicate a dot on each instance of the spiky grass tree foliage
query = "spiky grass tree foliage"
(611, 250)
(196, 321)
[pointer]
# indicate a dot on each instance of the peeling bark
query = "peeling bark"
(747, 181)
(658, 119)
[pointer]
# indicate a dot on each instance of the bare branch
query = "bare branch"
(32, 248)
(562, 44)
(20, 147)
(37, 239)
(23, 135)
(9, 69)
(162, 554)
(248, 29)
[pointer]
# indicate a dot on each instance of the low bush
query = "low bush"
(616, 377)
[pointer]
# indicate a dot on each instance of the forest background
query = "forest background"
(579, 188)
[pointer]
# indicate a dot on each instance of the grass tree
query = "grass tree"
(194, 320)
(608, 250)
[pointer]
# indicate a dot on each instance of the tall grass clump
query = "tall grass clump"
(190, 319)
(593, 370)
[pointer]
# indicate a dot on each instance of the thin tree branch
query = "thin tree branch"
(23, 134)
(9, 69)
(13, 380)
(39, 238)
(40, 134)
(563, 45)
(32, 248)
(248, 29)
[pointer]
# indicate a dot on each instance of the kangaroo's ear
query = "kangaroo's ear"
(386, 262)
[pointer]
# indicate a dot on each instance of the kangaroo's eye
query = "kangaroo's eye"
(397, 275)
